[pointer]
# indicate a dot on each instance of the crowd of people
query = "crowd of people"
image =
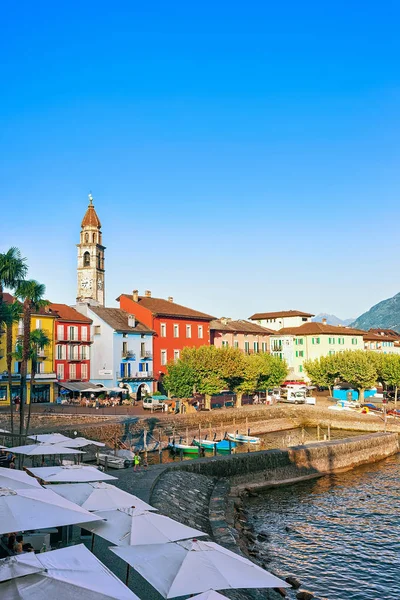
(7, 459)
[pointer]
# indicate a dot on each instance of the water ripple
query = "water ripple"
(340, 535)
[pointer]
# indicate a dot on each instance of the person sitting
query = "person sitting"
(18, 548)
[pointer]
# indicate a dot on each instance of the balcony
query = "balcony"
(146, 354)
(128, 354)
(73, 358)
(41, 353)
(137, 375)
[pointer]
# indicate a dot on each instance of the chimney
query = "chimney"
(323, 321)
(170, 299)
(135, 295)
(147, 293)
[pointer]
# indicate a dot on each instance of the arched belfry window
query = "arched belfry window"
(86, 259)
(86, 237)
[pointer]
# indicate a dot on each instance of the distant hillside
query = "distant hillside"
(332, 319)
(385, 314)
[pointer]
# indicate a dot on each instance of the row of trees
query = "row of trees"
(209, 370)
(360, 369)
(30, 295)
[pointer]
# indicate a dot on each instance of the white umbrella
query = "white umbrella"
(50, 438)
(79, 442)
(70, 474)
(131, 526)
(68, 573)
(34, 508)
(3, 447)
(210, 595)
(4, 431)
(43, 449)
(98, 496)
(19, 566)
(193, 566)
(17, 480)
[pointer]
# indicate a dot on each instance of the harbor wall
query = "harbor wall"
(275, 467)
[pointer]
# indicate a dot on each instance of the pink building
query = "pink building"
(248, 337)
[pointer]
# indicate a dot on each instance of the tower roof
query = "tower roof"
(91, 219)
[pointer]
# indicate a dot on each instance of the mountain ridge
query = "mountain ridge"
(384, 315)
(332, 319)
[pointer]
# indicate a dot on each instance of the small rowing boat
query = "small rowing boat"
(221, 445)
(243, 439)
(185, 448)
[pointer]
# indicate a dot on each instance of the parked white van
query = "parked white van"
(153, 403)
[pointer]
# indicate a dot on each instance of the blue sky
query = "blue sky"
(242, 157)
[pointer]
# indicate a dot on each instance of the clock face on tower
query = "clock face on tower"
(86, 284)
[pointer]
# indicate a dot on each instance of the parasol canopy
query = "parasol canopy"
(67, 574)
(38, 508)
(17, 480)
(98, 496)
(70, 474)
(80, 442)
(132, 526)
(50, 438)
(194, 566)
(43, 450)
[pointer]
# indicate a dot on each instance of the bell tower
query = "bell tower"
(91, 259)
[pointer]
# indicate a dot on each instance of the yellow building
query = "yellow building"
(310, 341)
(45, 377)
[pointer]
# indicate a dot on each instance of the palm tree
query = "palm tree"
(31, 292)
(11, 314)
(13, 269)
(39, 340)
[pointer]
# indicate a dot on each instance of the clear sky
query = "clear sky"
(243, 156)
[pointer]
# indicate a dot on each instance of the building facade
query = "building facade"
(72, 344)
(385, 341)
(45, 376)
(122, 350)
(91, 271)
(250, 338)
(311, 341)
(284, 318)
(175, 326)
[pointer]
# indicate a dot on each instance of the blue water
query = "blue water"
(340, 534)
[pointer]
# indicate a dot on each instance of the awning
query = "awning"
(77, 386)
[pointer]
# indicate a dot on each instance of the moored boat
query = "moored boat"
(243, 439)
(186, 448)
(221, 445)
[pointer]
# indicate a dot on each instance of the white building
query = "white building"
(280, 319)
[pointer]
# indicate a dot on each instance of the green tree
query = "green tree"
(13, 269)
(356, 368)
(39, 341)
(322, 371)
(390, 372)
(31, 293)
(11, 315)
(180, 379)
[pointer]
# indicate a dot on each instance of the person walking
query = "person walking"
(136, 462)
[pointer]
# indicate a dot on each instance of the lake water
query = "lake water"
(339, 535)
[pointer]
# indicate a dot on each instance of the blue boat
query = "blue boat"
(221, 445)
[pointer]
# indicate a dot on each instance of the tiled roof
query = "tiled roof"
(46, 311)
(370, 336)
(388, 332)
(240, 326)
(91, 219)
(165, 308)
(118, 320)
(281, 313)
(313, 328)
(67, 313)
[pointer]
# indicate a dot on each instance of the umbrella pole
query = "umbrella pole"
(92, 546)
(127, 574)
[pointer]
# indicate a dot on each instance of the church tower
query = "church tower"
(91, 259)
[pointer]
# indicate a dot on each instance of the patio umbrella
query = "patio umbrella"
(193, 566)
(50, 438)
(70, 474)
(38, 508)
(210, 595)
(17, 480)
(79, 442)
(98, 496)
(132, 526)
(19, 566)
(43, 449)
(68, 573)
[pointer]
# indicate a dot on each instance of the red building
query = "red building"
(72, 344)
(176, 326)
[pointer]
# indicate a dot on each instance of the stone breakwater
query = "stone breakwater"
(207, 493)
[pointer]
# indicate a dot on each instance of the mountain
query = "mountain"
(385, 315)
(332, 320)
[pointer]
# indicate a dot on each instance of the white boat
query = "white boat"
(243, 439)
(115, 462)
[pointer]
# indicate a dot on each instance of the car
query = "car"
(153, 403)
